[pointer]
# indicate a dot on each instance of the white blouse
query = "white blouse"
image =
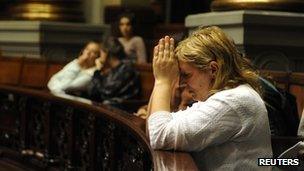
(301, 126)
(228, 131)
(71, 78)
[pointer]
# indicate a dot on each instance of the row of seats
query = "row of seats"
(35, 73)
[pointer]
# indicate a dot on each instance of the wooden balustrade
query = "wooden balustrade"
(41, 131)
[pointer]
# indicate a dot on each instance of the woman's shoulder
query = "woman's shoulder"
(242, 90)
(241, 100)
(126, 66)
(137, 39)
(73, 62)
(242, 94)
(72, 65)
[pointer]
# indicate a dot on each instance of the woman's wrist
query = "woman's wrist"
(161, 97)
(163, 82)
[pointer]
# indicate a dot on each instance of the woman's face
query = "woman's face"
(125, 27)
(91, 52)
(198, 82)
(186, 99)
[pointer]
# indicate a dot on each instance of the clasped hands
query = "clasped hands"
(165, 66)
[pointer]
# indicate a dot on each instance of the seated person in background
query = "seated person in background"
(134, 46)
(281, 107)
(76, 75)
(282, 110)
(301, 126)
(228, 128)
(115, 80)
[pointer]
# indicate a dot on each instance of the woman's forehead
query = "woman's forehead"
(93, 46)
(124, 20)
(185, 65)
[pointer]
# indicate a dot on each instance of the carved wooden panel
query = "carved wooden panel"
(10, 121)
(58, 133)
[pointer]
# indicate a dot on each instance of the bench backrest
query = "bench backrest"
(35, 73)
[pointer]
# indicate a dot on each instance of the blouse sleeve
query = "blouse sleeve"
(204, 124)
(65, 78)
(141, 51)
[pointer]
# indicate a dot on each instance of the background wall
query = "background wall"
(94, 9)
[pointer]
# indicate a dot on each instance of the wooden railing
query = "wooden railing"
(41, 131)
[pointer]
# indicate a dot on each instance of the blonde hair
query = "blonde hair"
(212, 44)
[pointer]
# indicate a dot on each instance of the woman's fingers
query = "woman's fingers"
(167, 47)
(164, 65)
(161, 46)
(155, 54)
(171, 48)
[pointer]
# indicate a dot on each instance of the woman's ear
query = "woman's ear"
(214, 67)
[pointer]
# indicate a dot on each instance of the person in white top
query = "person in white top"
(134, 45)
(228, 128)
(77, 74)
(301, 126)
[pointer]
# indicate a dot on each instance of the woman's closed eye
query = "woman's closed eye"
(97, 54)
(184, 75)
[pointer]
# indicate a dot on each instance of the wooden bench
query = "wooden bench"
(35, 73)
(26, 72)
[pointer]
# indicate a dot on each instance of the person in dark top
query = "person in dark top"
(281, 106)
(282, 109)
(114, 81)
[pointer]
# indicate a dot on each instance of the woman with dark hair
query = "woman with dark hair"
(115, 80)
(133, 45)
